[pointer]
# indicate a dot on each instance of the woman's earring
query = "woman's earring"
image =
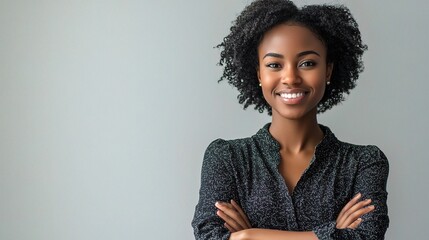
(260, 84)
(328, 82)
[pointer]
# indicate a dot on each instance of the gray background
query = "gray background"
(106, 108)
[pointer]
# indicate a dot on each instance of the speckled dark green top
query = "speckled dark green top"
(247, 170)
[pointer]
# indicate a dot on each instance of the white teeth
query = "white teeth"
(291, 95)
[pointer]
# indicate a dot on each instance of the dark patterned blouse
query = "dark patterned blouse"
(246, 170)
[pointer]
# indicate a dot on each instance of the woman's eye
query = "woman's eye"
(308, 64)
(273, 65)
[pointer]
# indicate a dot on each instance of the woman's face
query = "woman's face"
(293, 71)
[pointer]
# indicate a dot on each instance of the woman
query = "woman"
(293, 179)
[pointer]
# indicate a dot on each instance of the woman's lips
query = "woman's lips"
(292, 97)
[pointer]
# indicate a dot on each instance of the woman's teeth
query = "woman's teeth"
(292, 95)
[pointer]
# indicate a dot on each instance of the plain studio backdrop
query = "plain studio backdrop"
(106, 108)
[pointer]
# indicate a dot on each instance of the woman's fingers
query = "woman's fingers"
(349, 219)
(350, 204)
(353, 211)
(356, 215)
(241, 212)
(354, 208)
(230, 223)
(231, 216)
(229, 228)
(355, 224)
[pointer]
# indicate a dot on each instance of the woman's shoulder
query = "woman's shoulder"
(229, 145)
(346, 150)
(227, 154)
(363, 153)
(238, 151)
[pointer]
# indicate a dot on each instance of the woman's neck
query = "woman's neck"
(295, 136)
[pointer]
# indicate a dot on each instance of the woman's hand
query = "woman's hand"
(234, 217)
(236, 220)
(350, 215)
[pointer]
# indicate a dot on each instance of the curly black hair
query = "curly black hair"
(335, 26)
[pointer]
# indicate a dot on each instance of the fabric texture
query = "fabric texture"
(246, 170)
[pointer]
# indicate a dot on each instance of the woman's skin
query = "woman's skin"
(293, 72)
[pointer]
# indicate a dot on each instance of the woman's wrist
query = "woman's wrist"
(264, 234)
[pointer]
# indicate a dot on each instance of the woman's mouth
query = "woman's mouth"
(292, 95)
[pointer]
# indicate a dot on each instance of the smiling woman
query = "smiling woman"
(293, 179)
(292, 70)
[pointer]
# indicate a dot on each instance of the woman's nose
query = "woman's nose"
(290, 76)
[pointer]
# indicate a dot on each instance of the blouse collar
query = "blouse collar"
(264, 137)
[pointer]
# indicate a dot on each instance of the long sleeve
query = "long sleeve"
(217, 184)
(371, 180)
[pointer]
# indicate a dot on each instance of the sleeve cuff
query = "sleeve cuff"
(325, 231)
(329, 231)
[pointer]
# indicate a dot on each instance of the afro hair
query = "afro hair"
(335, 26)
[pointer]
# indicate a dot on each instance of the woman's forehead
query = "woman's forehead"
(290, 36)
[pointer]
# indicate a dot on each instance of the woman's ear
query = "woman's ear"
(258, 74)
(329, 68)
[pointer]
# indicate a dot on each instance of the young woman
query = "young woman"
(293, 179)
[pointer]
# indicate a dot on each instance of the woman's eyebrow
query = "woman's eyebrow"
(277, 55)
(307, 53)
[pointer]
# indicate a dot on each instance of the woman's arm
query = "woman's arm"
(268, 234)
(238, 224)
(371, 180)
(217, 184)
(372, 219)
